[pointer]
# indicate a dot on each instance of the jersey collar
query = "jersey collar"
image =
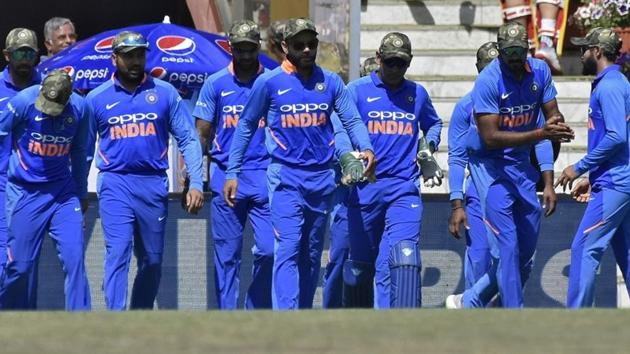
(379, 83)
(231, 70)
(610, 68)
(145, 79)
(6, 77)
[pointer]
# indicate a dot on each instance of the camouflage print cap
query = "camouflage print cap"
(127, 41)
(395, 45)
(297, 25)
(512, 34)
(368, 66)
(605, 38)
(486, 54)
(54, 93)
(244, 31)
(276, 31)
(21, 38)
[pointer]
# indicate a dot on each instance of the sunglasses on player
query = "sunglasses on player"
(396, 62)
(514, 51)
(23, 55)
(299, 46)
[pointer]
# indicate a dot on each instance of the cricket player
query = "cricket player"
(339, 237)
(384, 217)
(20, 52)
(465, 207)
(507, 97)
(298, 98)
(607, 216)
(132, 116)
(48, 128)
(217, 111)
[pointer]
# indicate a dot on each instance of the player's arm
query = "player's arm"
(78, 153)
(351, 166)
(431, 126)
(182, 130)
(430, 122)
(91, 133)
(12, 115)
(544, 154)
(205, 115)
(353, 124)
(457, 161)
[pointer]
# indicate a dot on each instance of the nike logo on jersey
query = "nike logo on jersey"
(504, 96)
(77, 209)
(111, 105)
(226, 93)
(414, 205)
(40, 118)
(161, 218)
(4, 99)
(372, 99)
(282, 92)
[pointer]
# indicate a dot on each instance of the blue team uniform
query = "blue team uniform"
(7, 91)
(477, 257)
(299, 138)
(607, 216)
(505, 179)
(133, 132)
(385, 216)
(220, 102)
(43, 195)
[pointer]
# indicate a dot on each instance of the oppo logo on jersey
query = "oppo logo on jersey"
(518, 109)
(231, 116)
(132, 125)
(304, 115)
(517, 116)
(49, 145)
(382, 115)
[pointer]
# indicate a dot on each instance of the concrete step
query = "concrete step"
(426, 37)
(432, 12)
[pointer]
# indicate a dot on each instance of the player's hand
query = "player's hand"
(550, 200)
(85, 204)
(370, 164)
(555, 129)
(184, 200)
(458, 217)
(351, 168)
(581, 191)
(194, 200)
(431, 171)
(566, 178)
(229, 192)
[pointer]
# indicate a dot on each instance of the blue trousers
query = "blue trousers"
(606, 221)
(380, 215)
(300, 200)
(252, 200)
(133, 212)
(337, 252)
(32, 210)
(477, 259)
(512, 213)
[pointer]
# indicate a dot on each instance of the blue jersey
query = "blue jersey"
(43, 145)
(608, 157)
(394, 119)
(221, 102)
(299, 131)
(7, 91)
(518, 104)
(458, 129)
(133, 129)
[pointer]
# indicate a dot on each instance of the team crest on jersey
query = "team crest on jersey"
(320, 87)
(69, 120)
(534, 87)
(410, 99)
(151, 98)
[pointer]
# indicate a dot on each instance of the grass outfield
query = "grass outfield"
(366, 331)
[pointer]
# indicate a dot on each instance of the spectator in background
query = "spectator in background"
(59, 34)
(275, 38)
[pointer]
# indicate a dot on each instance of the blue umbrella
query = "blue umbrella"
(183, 56)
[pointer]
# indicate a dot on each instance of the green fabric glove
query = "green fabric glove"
(351, 169)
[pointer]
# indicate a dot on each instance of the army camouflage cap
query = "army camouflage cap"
(395, 45)
(512, 34)
(297, 25)
(54, 93)
(244, 31)
(276, 31)
(368, 66)
(486, 54)
(21, 38)
(127, 41)
(605, 38)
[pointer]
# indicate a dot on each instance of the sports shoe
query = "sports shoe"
(454, 301)
(548, 54)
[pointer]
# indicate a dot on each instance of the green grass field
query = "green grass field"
(367, 331)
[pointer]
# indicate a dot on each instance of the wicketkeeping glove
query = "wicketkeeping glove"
(431, 171)
(351, 168)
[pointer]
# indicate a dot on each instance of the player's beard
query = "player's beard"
(589, 66)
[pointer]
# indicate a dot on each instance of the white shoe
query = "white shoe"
(548, 54)
(454, 301)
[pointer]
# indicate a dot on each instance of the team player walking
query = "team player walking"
(273, 139)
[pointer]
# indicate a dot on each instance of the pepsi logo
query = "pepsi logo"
(176, 45)
(224, 44)
(104, 45)
(158, 72)
(69, 70)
